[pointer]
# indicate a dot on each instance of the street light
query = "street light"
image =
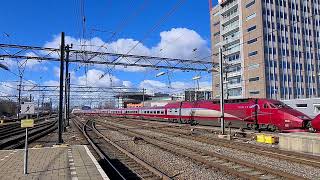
(4, 67)
(160, 74)
(196, 78)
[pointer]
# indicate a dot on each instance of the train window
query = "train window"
(302, 105)
(158, 112)
(266, 106)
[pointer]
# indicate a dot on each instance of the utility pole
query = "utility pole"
(42, 104)
(60, 123)
(68, 107)
(66, 88)
(38, 108)
(19, 96)
(221, 92)
(142, 97)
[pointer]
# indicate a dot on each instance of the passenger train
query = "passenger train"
(262, 114)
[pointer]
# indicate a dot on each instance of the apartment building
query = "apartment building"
(271, 48)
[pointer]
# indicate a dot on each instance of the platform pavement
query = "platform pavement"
(54, 163)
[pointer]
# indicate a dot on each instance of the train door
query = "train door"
(266, 117)
(274, 118)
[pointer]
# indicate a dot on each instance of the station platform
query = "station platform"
(55, 163)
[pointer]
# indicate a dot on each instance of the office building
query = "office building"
(271, 48)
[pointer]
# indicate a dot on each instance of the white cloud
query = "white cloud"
(175, 43)
(7, 88)
(181, 43)
(51, 83)
(30, 64)
(93, 79)
(153, 86)
(127, 84)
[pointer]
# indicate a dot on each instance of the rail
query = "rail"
(300, 158)
(228, 164)
(17, 138)
(133, 163)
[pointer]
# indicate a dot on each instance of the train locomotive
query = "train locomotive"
(250, 113)
(316, 123)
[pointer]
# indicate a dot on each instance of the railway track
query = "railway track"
(16, 138)
(237, 167)
(300, 158)
(123, 163)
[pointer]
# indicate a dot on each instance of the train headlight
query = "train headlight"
(287, 123)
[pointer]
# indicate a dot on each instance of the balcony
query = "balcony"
(231, 40)
(232, 50)
(234, 74)
(233, 17)
(229, 7)
(234, 27)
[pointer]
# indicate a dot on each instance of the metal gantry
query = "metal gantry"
(99, 57)
(103, 58)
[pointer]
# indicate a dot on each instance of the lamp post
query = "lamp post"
(2, 66)
(196, 78)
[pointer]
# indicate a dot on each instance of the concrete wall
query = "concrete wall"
(300, 142)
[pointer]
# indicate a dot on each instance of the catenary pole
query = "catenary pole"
(68, 107)
(221, 92)
(66, 87)
(60, 123)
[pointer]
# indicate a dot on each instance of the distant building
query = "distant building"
(133, 105)
(194, 94)
(125, 98)
(273, 47)
(178, 96)
(310, 107)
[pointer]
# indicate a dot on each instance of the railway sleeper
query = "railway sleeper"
(244, 165)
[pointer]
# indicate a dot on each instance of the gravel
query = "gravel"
(294, 168)
(173, 165)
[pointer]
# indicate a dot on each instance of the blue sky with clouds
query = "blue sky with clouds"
(39, 23)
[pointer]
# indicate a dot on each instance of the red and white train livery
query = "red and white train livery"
(247, 113)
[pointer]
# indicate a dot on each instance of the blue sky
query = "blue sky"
(38, 22)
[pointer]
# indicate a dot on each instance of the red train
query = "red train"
(265, 114)
(316, 123)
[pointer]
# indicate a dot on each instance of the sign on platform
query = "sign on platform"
(27, 108)
(27, 123)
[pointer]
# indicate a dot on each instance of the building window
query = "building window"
(251, 28)
(234, 80)
(235, 92)
(251, 16)
(302, 105)
(252, 41)
(252, 53)
(216, 34)
(254, 92)
(254, 79)
(250, 4)
(253, 66)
